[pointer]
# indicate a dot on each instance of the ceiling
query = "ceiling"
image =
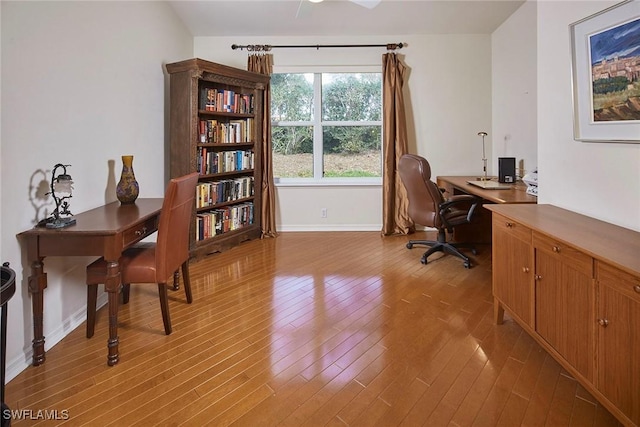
(211, 18)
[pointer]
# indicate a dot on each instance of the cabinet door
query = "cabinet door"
(564, 292)
(512, 267)
(619, 339)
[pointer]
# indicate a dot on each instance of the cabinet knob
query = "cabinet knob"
(637, 288)
(556, 249)
(537, 277)
(525, 269)
(603, 322)
(509, 224)
(141, 232)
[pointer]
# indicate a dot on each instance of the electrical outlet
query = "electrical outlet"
(323, 213)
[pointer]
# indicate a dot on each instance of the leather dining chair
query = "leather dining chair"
(154, 262)
(429, 208)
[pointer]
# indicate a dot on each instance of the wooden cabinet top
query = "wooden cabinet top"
(601, 240)
(200, 65)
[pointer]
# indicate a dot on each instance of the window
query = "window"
(343, 143)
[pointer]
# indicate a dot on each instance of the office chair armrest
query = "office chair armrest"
(458, 200)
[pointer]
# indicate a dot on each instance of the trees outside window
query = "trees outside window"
(343, 141)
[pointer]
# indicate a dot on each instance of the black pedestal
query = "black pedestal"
(5, 416)
(6, 292)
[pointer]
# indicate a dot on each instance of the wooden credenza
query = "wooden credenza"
(573, 283)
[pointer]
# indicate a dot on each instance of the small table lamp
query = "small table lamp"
(61, 189)
(484, 156)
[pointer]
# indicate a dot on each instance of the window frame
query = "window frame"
(317, 123)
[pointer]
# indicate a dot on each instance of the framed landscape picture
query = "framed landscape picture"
(606, 74)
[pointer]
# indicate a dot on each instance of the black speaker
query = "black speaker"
(507, 169)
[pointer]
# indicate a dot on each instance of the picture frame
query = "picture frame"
(606, 74)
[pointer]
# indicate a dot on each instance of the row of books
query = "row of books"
(210, 161)
(228, 101)
(226, 190)
(234, 131)
(219, 221)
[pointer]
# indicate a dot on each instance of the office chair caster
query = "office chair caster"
(467, 264)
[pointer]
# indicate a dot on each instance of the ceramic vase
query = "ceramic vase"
(127, 189)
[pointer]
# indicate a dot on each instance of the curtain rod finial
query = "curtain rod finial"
(394, 46)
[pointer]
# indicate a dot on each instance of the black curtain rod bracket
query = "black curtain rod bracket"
(267, 47)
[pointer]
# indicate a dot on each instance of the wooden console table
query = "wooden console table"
(573, 283)
(104, 231)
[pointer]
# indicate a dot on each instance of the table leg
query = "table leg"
(112, 286)
(37, 284)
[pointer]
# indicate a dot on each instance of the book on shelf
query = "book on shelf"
(219, 221)
(225, 101)
(212, 162)
(235, 131)
(226, 190)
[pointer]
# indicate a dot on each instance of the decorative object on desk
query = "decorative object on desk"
(127, 189)
(61, 189)
(531, 179)
(606, 75)
(507, 169)
(484, 156)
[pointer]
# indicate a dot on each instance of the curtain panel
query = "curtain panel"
(263, 64)
(395, 203)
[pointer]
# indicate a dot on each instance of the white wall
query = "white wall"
(601, 180)
(532, 103)
(449, 101)
(514, 81)
(83, 83)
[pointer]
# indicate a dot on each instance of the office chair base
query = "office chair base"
(449, 248)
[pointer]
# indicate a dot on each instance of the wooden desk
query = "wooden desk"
(479, 231)
(458, 184)
(104, 231)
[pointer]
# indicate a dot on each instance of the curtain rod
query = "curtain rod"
(267, 47)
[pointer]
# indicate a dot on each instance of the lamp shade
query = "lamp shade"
(63, 185)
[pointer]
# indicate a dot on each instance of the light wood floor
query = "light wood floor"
(312, 329)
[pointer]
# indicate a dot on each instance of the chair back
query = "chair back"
(172, 244)
(424, 195)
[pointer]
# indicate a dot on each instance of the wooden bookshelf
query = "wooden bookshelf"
(216, 130)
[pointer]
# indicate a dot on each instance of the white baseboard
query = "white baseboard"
(331, 227)
(20, 363)
(342, 227)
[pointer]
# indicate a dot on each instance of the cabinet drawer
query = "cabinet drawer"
(139, 232)
(506, 225)
(565, 253)
(625, 283)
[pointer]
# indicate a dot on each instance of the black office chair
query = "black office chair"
(428, 207)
